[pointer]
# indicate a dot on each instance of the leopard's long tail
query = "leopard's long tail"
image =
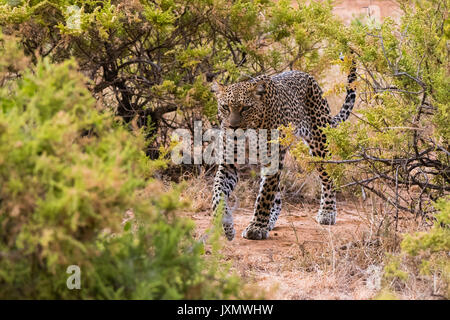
(347, 107)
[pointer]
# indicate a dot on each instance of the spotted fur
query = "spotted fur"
(265, 102)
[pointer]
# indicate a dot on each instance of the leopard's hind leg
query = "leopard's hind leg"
(327, 212)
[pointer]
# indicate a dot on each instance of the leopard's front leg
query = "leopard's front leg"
(258, 229)
(275, 211)
(224, 183)
(268, 201)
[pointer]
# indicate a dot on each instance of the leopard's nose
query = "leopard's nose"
(235, 120)
(234, 127)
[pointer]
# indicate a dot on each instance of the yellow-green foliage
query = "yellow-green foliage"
(385, 295)
(392, 269)
(433, 246)
(391, 113)
(298, 149)
(68, 175)
(427, 252)
(436, 240)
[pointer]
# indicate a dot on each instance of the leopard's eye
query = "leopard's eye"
(226, 108)
(245, 108)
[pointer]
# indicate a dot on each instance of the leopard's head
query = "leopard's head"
(243, 104)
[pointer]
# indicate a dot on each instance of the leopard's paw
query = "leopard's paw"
(255, 233)
(326, 217)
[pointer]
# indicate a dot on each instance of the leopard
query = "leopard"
(291, 98)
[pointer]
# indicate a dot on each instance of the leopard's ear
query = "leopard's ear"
(217, 88)
(260, 88)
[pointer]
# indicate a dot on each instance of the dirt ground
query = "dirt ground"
(301, 259)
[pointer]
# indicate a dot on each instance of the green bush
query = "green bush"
(68, 175)
(424, 256)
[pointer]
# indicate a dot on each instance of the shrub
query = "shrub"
(398, 144)
(424, 256)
